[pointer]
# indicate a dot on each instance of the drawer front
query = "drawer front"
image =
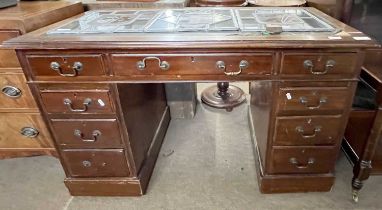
(96, 163)
(312, 130)
(302, 160)
(87, 133)
(8, 58)
(313, 100)
(23, 130)
(15, 92)
(66, 66)
(217, 64)
(80, 102)
(319, 64)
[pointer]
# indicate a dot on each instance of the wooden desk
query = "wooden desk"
(22, 130)
(102, 96)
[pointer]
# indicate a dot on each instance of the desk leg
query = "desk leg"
(363, 167)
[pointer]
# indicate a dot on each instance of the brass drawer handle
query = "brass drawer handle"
(298, 165)
(141, 65)
(86, 103)
(242, 65)
(304, 135)
(77, 67)
(10, 91)
(29, 132)
(86, 163)
(308, 64)
(95, 135)
(304, 101)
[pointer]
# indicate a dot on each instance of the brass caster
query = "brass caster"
(355, 196)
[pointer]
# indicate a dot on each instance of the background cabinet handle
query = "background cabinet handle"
(29, 132)
(308, 64)
(164, 65)
(10, 91)
(77, 66)
(298, 165)
(304, 135)
(86, 163)
(95, 134)
(304, 101)
(242, 65)
(86, 103)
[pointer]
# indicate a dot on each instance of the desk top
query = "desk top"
(196, 28)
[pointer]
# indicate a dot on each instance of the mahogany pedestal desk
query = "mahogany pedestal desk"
(22, 129)
(99, 82)
(362, 142)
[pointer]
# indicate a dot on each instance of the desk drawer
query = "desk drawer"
(87, 133)
(313, 100)
(96, 163)
(66, 66)
(302, 160)
(23, 130)
(312, 130)
(216, 64)
(319, 64)
(15, 92)
(81, 101)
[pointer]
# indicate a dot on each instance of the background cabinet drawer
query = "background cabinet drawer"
(319, 64)
(313, 100)
(83, 102)
(23, 130)
(15, 92)
(96, 163)
(66, 66)
(312, 130)
(8, 58)
(216, 64)
(302, 160)
(87, 133)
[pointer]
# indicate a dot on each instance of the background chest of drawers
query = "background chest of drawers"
(23, 131)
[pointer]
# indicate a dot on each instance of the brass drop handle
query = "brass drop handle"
(10, 91)
(298, 165)
(163, 65)
(308, 64)
(29, 132)
(304, 101)
(242, 65)
(95, 135)
(304, 135)
(77, 67)
(69, 104)
(86, 163)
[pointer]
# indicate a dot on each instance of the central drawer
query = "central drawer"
(189, 64)
(77, 101)
(302, 160)
(87, 133)
(96, 163)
